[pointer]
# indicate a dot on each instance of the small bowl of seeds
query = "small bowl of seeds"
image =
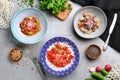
(93, 51)
(15, 54)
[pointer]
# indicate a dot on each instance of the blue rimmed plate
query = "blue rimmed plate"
(59, 71)
(18, 18)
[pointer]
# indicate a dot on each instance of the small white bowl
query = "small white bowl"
(95, 11)
(16, 30)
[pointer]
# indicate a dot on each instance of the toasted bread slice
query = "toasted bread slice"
(62, 15)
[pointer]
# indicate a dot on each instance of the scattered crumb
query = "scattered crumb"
(16, 67)
(25, 62)
(32, 68)
(18, 63)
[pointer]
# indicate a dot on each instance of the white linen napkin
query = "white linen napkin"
(6, 9)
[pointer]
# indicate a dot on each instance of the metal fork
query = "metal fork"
(37, 64)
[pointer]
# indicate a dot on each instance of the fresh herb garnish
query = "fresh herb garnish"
(54, 5)
(30, 2)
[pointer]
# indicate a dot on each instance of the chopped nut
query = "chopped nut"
(15, 54)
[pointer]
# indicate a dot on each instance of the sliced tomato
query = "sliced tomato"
(97, 25)
(65, 48)
(71, 57)
(60, 55)
(22, 24)
(27, 19)
(81, 24)
(57, 45)
(68, 51)
(50, 52)
(34, 20)
(30, 27)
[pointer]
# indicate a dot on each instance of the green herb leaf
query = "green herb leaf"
(54, 5)
(30, 2)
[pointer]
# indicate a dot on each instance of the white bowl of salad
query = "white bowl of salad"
(90, 22)
(29, 25)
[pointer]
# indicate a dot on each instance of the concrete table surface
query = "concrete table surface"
(26, 70)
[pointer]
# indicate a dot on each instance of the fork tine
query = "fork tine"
(40, 69)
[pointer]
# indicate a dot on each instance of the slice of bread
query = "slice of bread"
(62, 15)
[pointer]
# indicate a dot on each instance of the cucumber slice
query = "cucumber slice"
(97, 76)
(104, 72)
(21, 26)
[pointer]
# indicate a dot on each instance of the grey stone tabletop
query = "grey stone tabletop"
(26, 70)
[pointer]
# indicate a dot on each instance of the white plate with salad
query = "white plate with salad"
(90, 22)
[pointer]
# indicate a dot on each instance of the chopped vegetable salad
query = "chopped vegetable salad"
(30, 26)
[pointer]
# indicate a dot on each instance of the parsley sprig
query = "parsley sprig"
(30, 2)
(54, 5)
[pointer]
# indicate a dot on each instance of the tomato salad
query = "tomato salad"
(60, 55)
(30, 26)
(88, 23)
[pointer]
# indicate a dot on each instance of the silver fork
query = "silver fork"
(37, 64)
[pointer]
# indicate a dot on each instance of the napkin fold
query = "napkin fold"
(109, 7)
(6, 9)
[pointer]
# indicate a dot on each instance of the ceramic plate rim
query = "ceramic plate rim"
(79, 10)
(22, 10)
(67, 71)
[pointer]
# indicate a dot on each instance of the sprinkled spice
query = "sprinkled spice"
(93, 51)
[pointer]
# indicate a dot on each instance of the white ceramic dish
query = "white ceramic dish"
(95, 11)
(16, 30)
